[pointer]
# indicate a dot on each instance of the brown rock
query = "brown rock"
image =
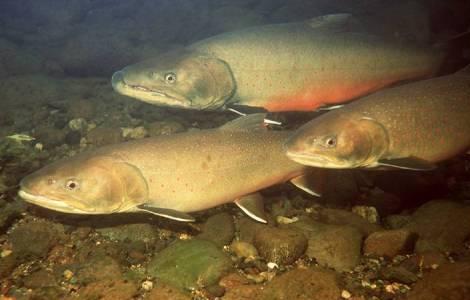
(244, 292)
(281, 246)
(338, 247)
(450, 282)
(100, 269)
(7, 265)
(163, 291)
(103, 136)
(233, 280)
(344, 217)
(425, 260)
(248, 228)
(218, 229)
(50, 137)
(390, 243)
(441, 226)
(42, 234)
(400, 274)
(39, 279)
(303, 284)
(109, 290)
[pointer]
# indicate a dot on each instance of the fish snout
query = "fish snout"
(117, 78)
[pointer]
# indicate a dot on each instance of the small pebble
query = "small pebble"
(345, 294)
(367, 212)
(78, 124)
(147, 285)
(272, 265)
(68, 274)
(5, 253)
(39, 146)
(286, 220)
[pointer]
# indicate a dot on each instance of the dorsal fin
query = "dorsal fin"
(246, 123)
(331, 21)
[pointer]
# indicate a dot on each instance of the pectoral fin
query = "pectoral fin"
(246, 123)
(329, 107)
(166, 213)
(408, 163)
(253, 206)
(312, 182)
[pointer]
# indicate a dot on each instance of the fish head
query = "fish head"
(338, 142)
(86, 185)
(182, 79)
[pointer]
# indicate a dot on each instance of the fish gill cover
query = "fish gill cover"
(397, 232)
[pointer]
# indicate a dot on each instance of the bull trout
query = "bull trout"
(411, 126)
(172, 175)
(282, 67)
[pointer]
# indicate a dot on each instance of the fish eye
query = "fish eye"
(71, 184)
(170, 77)
(330, 142)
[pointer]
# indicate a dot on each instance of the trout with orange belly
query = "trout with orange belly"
(282, 67)
(174, 175)
(412, 126)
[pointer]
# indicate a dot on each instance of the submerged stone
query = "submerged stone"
(390, 243)
(130, 232)
(312, 284)
(279, 245)
(34, 239)
(450, 281)
(218, 229)
(441, 226)
(190, 264)
(338, 247)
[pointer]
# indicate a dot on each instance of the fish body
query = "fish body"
(168, 175)
(411, 126)
(282, 67)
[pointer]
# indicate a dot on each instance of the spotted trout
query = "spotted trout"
(298, 66)
(171, 176)
(411, 126)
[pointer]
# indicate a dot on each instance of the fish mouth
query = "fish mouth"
(50, 203)
(147, 94)
(314, 160)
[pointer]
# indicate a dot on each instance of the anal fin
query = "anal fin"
(253, 206)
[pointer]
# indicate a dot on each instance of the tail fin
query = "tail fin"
(457, 52)
(465, 70)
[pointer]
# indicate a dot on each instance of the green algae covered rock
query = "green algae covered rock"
(190, 264)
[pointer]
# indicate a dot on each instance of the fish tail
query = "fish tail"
(456, 51)
(465, 70)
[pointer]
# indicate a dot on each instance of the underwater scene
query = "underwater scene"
(235, 150)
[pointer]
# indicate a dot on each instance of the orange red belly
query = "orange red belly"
(311, 99)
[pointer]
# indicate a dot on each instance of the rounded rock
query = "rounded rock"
(281, 246)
